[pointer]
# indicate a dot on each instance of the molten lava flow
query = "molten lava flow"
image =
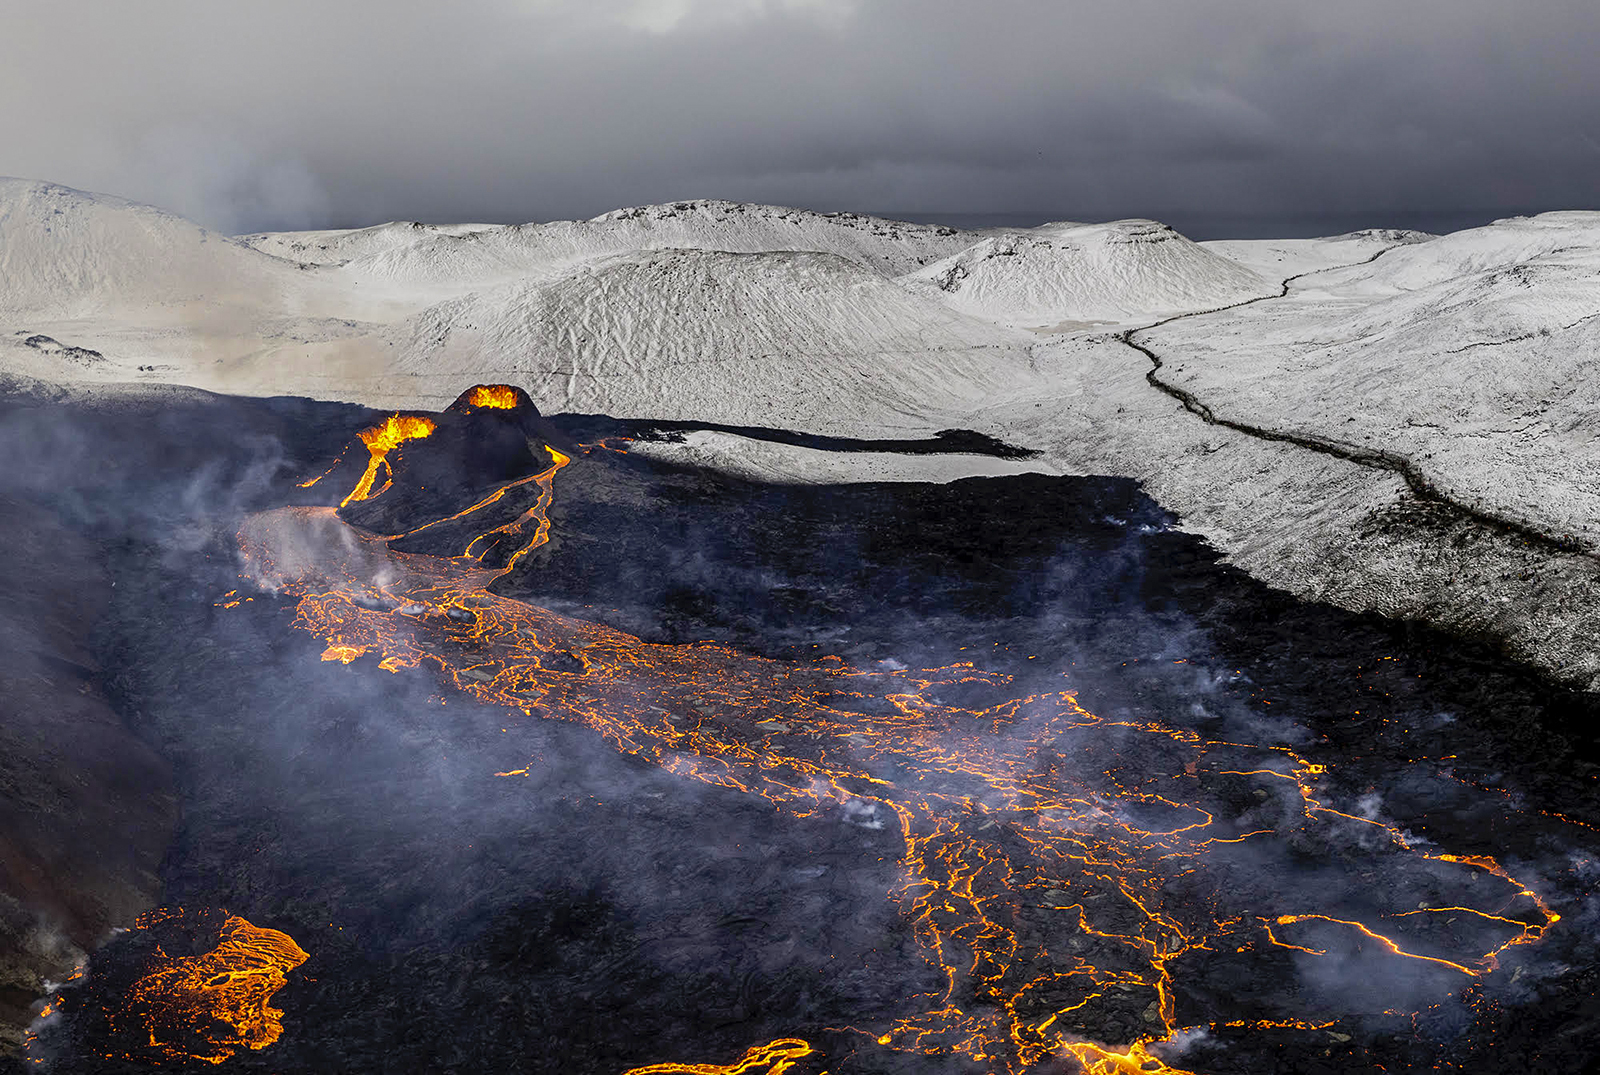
(209, 1007)
(773, 1058)
(500, 397)
(380, 440)
(1059, 867)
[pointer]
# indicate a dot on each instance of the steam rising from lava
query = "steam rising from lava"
(1021, 816)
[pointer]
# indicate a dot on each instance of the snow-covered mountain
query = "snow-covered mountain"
(467, 256)
(775, 338)
(1128, 270)
(64, 253)
(339, 246)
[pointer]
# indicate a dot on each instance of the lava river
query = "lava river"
(1058, 865)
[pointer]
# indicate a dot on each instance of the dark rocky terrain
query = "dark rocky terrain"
(599, 913)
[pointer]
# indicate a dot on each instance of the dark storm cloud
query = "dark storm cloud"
(302, 114)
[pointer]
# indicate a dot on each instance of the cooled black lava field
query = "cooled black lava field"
(1107, 804)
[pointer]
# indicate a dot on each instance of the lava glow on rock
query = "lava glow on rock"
(773, 1058)
(1028, 810)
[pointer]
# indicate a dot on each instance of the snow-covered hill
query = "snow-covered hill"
(1501, 245)
(797, 339)
(473, 256)
(1279, 259)
(1484, 373)
(339, 246)
(64, 253)
(1128, 270)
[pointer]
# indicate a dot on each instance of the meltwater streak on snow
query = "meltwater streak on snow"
(1029, 805)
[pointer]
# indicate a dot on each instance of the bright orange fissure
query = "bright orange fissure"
(380, 440)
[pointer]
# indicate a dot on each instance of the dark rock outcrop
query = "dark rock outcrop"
(86, 809)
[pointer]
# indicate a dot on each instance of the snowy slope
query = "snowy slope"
(1483, 372)
(1127, 270)
(1279, 259)
(1501, 245)
(804, 340)
(339, 246)
(65, 253)
(478, 258)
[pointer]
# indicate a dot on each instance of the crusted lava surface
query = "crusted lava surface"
(489, 870)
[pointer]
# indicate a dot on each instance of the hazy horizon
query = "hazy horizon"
(1239, 117)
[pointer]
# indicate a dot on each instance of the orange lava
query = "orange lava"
(501, 397)
(380, 441)
(212, 1006)
(1030, 808)
(773, 1058)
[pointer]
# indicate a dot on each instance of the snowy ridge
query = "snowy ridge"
(1500, 245)
(484, 257)
(1278, 259)
(810, 340)
(1128, 270)
(339, 246)
(65, 253)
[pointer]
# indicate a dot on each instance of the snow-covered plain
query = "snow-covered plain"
(1345, 375)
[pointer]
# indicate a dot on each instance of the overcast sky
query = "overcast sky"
(1245, 116)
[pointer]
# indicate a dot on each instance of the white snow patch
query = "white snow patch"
(796, 340)
(1125, 271)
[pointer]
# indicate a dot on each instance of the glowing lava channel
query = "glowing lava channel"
(773, 1058)
(1122, 862)
(380, 441)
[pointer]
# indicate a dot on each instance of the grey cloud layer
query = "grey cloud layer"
(302, 114)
